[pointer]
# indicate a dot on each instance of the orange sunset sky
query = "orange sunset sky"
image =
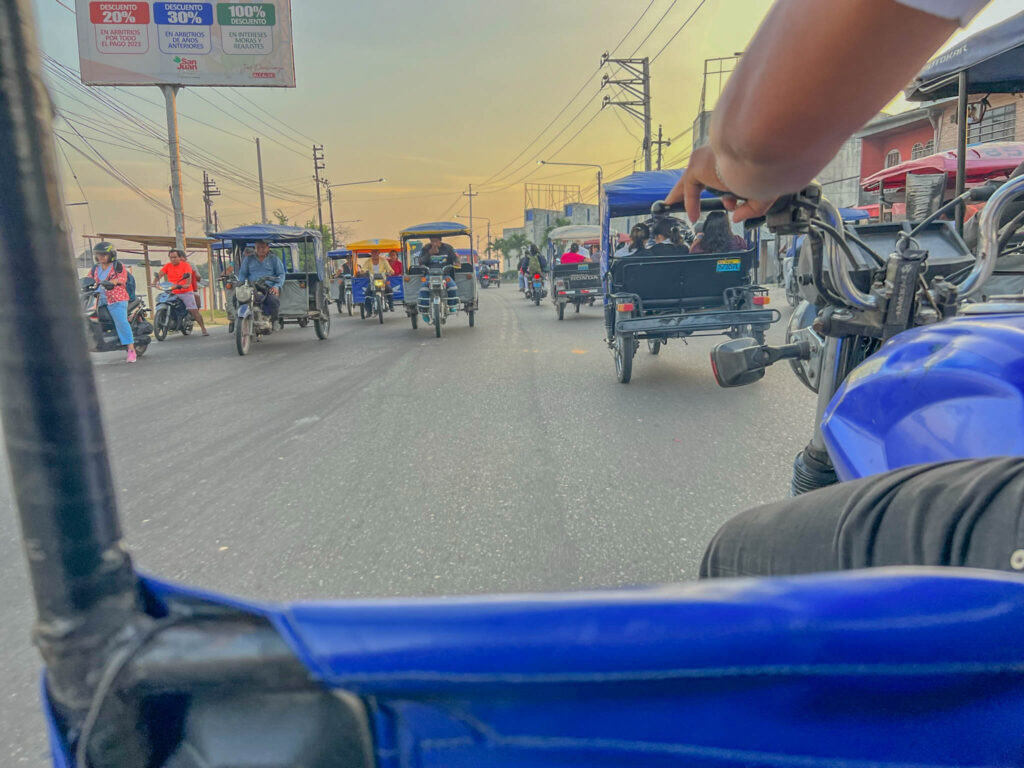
(432, 96)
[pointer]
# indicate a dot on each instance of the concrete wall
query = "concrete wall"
(537, 221)
(582, 213)
(840, 179)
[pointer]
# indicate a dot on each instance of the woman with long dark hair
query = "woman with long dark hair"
(717, 236)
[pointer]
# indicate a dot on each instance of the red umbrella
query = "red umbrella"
(984, 162)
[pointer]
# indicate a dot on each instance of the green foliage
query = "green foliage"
(511, 247)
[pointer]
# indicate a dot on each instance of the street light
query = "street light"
(330, 197)
(600, 176)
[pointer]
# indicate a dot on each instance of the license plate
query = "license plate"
(437, 299)
(727, 265)
(583, 267)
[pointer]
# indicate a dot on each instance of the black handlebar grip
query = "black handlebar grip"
(983, 192)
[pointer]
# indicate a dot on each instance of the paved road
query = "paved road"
(386, 462)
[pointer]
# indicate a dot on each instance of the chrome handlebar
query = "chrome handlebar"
(848, 292)
(988, 241)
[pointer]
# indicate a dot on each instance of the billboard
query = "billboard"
(136, 42)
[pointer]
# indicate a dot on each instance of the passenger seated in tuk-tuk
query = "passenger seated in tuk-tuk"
(717, 236)
(638, 237)
(667, 240)
(437, 253)
(573, 255)
(395, 262)
(377, 265)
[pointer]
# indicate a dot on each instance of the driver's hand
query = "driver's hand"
(273, 291)
(700, 174)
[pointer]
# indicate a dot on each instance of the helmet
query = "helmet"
(105, 247)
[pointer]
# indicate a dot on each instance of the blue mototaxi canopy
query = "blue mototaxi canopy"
(270, 232)
(633, 195)
(339, 253)
(993, 60)
(443, 228)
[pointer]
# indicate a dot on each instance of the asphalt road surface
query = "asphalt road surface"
(383, 461)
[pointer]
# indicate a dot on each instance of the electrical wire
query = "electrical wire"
(675, 34)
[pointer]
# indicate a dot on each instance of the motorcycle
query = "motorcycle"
(345, 301)
(379, 297)
(228, 283)
(535, 290)
(101, 333)
(170, 314)
(251, 322)
(906, 370)
(438, 288)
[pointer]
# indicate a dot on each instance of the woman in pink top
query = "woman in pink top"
(573, 255)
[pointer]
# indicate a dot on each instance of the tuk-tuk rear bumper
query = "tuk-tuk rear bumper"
(691, 322)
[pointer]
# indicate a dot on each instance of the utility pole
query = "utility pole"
(471, 194)
(661, 143)
(210, 191)
(263, 196)
(318, 165)
(330, 207)
(174, 151)
(637, 89)
(216, 222)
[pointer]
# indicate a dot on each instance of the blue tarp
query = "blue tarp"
(992, 58)
(633, 195)
(435, 228)
(853, 214)
(269, 232)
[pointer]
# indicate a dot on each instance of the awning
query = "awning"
(993, 59)
(156, 241)
(577, 232)
(984, 161)
(339, 253)
(634, 195)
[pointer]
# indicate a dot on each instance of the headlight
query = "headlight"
(243, 294)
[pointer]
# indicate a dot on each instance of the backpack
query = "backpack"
(534, 264)
(129, 285)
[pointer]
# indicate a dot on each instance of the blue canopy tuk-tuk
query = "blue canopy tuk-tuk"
(463, 274)
(305, 295)
(662, 292)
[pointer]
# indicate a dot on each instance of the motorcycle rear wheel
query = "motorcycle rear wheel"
(436, 314)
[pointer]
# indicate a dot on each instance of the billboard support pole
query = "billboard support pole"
(174, 151)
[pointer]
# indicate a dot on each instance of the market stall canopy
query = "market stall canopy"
(993, 60)
(634, 195)
(374, 244)
(984, 161)
(576, 232)
(156, 241)
(272, 233)
(443, 228)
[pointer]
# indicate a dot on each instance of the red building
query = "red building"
(889, 140)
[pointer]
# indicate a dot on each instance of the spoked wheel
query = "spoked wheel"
(322, 324)
(561, 311)
(160, 324)
(536, 298)
(380, 311)
(415, 321)
(623, 351)
(186, 325)
(472, 317)
(437, 320)
(348, 303)
(243, 335)
(654, 346)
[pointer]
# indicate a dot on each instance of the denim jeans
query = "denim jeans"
(424, 302)
(119, 314)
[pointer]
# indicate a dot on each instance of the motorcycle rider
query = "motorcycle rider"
(378, 265)
(536, 264)
(113, 300)
(437, 253)
(179, 272)
(768, 139)
(262, 263)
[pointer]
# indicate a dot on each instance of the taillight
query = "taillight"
(760, 301)
(536, 277)
(626, 306)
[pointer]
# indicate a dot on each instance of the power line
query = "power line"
(676, 33)
(656, 25)
(568, 104)
(237, 92)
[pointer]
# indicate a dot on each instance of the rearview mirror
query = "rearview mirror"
(738, 362)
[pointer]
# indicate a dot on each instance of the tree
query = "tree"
(511, 246)
(560, 222)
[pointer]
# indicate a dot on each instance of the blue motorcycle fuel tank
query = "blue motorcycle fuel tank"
(953, 390)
